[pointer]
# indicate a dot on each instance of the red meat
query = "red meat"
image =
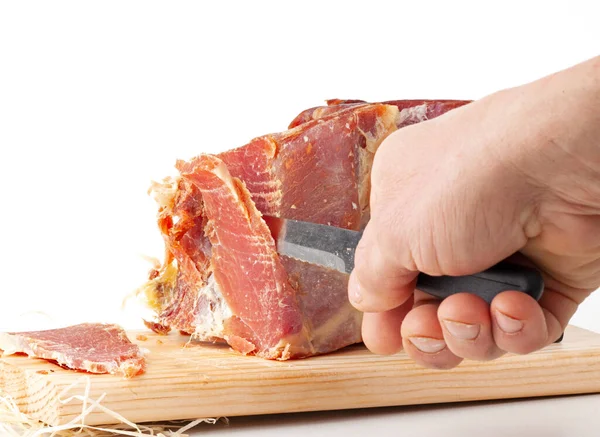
(411, 111)
(93, 348)
(222, 279)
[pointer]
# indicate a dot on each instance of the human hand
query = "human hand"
(516, 174)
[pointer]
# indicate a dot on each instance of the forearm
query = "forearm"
(574, 107)
(557, 145)
(565, 165)
(574, 143)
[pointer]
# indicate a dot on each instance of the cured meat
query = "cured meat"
(222, 279)
(246, 269)
(157, 327)
(94, 348)
(411, 111)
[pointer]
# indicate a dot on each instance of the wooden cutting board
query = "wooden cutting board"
(192, 381)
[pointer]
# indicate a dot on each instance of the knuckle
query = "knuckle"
(392, 172)
(378, 269)
(423, 250)
(434, 248)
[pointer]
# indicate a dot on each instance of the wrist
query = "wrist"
(557, 146)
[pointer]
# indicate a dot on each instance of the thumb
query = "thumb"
(378, 282)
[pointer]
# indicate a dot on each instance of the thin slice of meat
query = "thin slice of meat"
(411, 111)
(222, 279)
(89, 347)
(319, 112)
(265, 315)
(157, 327)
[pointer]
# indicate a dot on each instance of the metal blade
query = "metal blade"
(323, 245)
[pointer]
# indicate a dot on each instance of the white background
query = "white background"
(98, 99)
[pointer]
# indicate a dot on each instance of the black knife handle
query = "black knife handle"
(488, 284)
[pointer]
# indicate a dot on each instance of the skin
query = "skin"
(514, 175)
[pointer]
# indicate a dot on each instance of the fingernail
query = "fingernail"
(428, 345)
(462, 331)
(507, 324)
(355, 290)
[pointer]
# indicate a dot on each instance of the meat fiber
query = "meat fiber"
(411, 111)
(94, 348)
(222, 279)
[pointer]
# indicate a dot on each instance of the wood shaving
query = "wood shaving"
(13, 423)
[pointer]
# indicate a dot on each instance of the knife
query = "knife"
(334, 248)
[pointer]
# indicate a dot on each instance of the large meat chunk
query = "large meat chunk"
(222, 279)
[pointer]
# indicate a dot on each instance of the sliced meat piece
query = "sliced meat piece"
(319, 112)
(157, 327)
(265, 315)
(411, 111)
(175, 287)
(318, 171)
(332, 102)
(222, 279)
(94, 348)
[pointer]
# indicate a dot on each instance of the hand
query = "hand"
(516, 174)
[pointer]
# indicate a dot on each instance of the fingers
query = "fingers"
(440, 334)
(423, 338)
(467, 326)
(381, 331)
(520, 325)
(378, 283)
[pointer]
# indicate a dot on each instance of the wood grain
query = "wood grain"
(189, 382)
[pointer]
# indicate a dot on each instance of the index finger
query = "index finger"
(378, 282)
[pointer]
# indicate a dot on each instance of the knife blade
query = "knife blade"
(334, 248)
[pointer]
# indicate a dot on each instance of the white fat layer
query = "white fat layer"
(384, 127)
(211, 324)
(418, 113)
(8, 344)
(164, 192)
